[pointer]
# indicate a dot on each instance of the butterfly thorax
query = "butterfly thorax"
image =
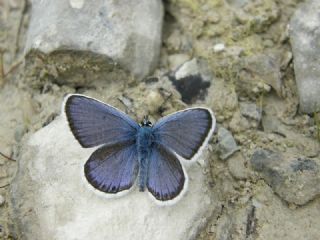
(145, 141)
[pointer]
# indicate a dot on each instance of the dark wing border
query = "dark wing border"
(165, 154)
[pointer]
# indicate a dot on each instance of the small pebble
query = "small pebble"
(260, 84)
(220, 47)
(271, 137)
(255, 90)
(266, 87)
(188, 68)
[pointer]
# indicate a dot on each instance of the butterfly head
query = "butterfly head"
(146, 122)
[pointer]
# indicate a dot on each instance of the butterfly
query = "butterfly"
(128, 151)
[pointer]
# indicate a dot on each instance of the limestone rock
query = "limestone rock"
(126, 33)
(51, 200)
(305, 38)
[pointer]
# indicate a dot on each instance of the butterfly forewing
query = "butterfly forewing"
(94, 123)
(185, 132)
(114, 168)
(166, 178)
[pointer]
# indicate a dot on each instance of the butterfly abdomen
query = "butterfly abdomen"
(144, 146)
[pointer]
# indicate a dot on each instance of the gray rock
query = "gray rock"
(237, 166)
(51, 200)
(296, 180)
(261, 68)
(226, 143)
(126, 33)
(271, 124)
(305, 39)
(250, 110)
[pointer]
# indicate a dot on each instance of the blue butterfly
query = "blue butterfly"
(153, 153)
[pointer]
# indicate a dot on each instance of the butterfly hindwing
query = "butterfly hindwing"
(114, 168)
(94, 123)
(185, 132)
(166, 178)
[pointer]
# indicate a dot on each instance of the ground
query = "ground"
(240, 46)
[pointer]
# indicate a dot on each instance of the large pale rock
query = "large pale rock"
(51, 199)
(125, 33)
(305, 41)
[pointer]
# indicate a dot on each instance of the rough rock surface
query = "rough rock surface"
(52, 200)
(264, 68)
(245, 205)
(296, 180)
(127, 33)
(305, 39)
(237, 166)
(250, 110)
(226, 143)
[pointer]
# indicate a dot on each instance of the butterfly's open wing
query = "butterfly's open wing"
(185, 132)
(166, 178)
(114, 168)
(94, 123)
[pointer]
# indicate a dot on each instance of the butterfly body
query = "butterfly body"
(145, 142)
(127, 151)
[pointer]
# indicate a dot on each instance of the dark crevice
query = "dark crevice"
(191, 88)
